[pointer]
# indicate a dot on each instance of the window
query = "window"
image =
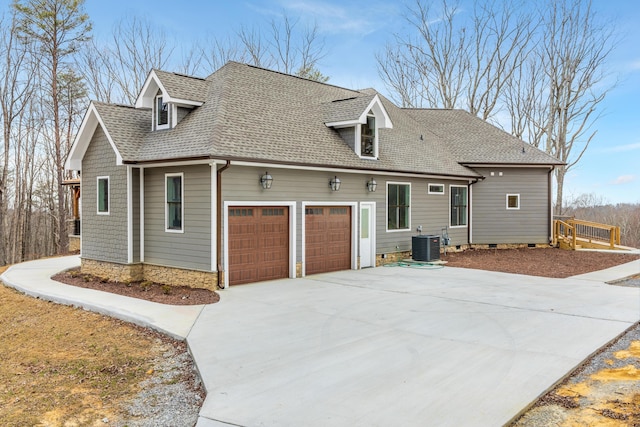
(436, 189)
(398, 206)
(368, 137)
(103, 195)
(458, 206)
(162, 113)
(174, 205)
(513, 201)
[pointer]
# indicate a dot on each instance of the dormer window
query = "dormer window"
(161, 113)
(368, 136)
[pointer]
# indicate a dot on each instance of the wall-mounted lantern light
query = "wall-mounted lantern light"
(266, 180)
(372, 185)
(335, 184)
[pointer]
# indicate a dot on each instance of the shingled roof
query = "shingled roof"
(180, 86)
(474, 141)
(257, 115)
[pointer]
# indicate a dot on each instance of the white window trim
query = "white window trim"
(108, 211)
(507, 201)
(166, 204)
(441, 193)
(358, 141)
(450, 192)
(155, 114)
(386, 209)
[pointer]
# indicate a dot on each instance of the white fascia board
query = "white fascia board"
(88, 127)
(344, 123)
(378, 110)
(183, 102)
(149, 90)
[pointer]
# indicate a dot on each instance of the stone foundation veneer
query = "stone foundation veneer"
(166, 275)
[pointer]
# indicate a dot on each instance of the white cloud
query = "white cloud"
(333, 17)
(623, 179)
(622, 148)
(635, 65)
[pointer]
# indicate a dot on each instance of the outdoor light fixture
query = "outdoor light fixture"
(335, 184)
(266, 180)
(372, 185)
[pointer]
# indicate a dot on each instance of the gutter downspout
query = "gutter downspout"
(470, 209)
(219, 217)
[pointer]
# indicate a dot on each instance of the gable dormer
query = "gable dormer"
(358, 121)
(170, 97)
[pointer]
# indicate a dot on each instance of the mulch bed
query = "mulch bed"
(150, 291)
(544, 262)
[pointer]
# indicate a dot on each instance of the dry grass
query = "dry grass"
(65, 366)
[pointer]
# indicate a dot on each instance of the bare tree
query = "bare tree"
(573, 52)
(57, 28)
(15, 91)
(117, 71)
(546, 69)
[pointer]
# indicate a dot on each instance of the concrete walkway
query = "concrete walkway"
(383, 346)
(34, 278)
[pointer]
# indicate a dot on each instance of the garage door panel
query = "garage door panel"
(327, 239)
(258, 244)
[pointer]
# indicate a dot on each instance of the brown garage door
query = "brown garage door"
(328, 238)
(258, 243)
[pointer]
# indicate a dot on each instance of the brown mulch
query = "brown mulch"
(150, 291)
(551, 262)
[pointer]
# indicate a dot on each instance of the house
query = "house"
(252, 175)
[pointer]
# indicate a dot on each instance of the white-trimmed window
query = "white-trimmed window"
(398, 206)
(103, 195)
(368, 138)
(458, 205)
(174, 202)
(161, 113)
(435, 188)
(513, 201)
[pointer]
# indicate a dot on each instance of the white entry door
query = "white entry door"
(367, 234)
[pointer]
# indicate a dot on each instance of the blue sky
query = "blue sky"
(354, 31)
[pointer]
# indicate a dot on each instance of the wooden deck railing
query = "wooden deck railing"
(575, 231)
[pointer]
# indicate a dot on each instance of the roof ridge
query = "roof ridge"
(179, 74)
(293, 76)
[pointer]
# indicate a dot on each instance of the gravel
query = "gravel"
(172, 396)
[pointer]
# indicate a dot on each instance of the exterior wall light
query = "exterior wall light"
(372, 185)
(335, 184)
(266, 180)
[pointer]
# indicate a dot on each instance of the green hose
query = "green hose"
(422, 266)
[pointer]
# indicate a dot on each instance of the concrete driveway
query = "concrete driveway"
(398, 346)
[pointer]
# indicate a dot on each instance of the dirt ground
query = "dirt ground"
(150, 291)
(543, 262)
(63, 366)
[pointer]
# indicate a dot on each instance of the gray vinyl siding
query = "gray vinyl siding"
(349, 136)
(135, 187)
(431, 211)
(494, 223)
(191, 249)
(104, 237)
(182, 113)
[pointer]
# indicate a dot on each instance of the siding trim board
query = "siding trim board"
(129, 214)
(292, 232)
(141, 214)
(354, 229)
(214, 217)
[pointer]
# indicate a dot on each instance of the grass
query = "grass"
(65, 366)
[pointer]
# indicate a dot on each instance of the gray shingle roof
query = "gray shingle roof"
(180, 86)
(348, 109)
(126, 125)
(472, 140)
(255, 114)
